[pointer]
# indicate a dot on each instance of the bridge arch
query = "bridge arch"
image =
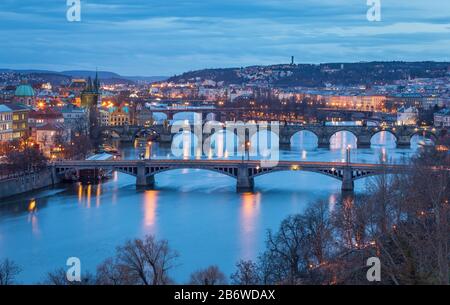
(159, 117)
(417, 137)
(146, 133)
(128, 170)
(185, 144)
(343, 138)
(211, 116)
(384, 138)
(222, 143)
(333, 173)
(264, 143)
(227, 171)
(111, 133)
(190, 116)
(304, 139)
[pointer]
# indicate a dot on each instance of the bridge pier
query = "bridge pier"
(323, 142)
(404, 142)
(323, 139)
(348, 184)
(142, 180)
(245, 183)
(54, 175)
(363, 140)
(362, 144)
(285, 141)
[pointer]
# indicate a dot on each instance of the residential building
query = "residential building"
(75, 118)
(20, 120)
(442, 118)
(407, 116)
(144, 116)
(50, 135)
(45, 116)
(103, 117)
(119, 116)
(6, 124)
(356, 102)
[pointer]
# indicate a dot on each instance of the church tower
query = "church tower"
(90, 96)
(89, 100)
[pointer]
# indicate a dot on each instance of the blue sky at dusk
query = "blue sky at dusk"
(165, 37)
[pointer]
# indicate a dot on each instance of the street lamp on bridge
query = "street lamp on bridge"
(247, 148)
(349, 148)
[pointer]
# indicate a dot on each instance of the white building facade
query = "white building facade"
(6, 124)
(407, 116)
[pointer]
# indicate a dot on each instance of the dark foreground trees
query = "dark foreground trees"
(403, 219)
(247, 273)
(8, 272)
(146, 262)
(209, 276)
(27, 160)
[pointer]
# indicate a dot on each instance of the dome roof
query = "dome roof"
(24, 90)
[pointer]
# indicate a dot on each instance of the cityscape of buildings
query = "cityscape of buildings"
(49, 115)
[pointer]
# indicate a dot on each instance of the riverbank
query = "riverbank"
(27, 183)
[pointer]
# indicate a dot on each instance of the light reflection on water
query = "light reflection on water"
(248, 226)
(198, 211)
(150, 207)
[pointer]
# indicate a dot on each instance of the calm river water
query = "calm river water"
(198, 212)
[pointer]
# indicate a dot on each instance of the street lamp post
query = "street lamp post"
(149, 144)
(247, 147)
(348, 154)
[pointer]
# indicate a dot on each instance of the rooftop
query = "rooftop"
(4, 108)
(24, 91)
(445, 111)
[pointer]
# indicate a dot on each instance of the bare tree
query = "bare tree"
(149, 260)
(58, 277)
(404, 220)
(209, 276)
(284, 253)
(301, 245)
(112, 273)
(8, 272)
(79, 147)
(247, 273)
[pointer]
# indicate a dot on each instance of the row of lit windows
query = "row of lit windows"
(5, 126)
(17, 126)
(17, 117)
(6, 117)
(5, 137)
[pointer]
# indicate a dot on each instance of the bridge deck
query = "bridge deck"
(205, 163)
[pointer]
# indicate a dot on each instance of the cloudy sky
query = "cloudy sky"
(165, 37)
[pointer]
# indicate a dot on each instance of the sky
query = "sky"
(167, 37)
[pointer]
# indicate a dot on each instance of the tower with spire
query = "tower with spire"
(90, 98)
(90, 95)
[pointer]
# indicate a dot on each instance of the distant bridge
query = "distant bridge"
(243, 171)
(324, 133)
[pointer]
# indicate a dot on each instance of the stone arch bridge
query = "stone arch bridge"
(324, 133)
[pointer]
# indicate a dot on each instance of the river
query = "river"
(198, 212)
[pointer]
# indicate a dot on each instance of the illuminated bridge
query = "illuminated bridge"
(243, 171)
(285, 133)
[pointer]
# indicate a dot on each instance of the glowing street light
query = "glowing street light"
(247, 148)
(349, 147)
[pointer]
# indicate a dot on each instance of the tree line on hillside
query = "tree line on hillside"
(310, 75)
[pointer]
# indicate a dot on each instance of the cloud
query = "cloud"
(166, 37)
